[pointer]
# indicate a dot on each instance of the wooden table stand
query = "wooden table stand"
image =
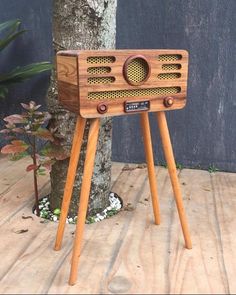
(87, 176)
(106, 83)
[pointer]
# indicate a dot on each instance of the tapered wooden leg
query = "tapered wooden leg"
(84, 197)
(74, 158)
(167, 147)
(147, 140)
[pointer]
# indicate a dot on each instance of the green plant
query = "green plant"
(19, 74)
(90, 219)
(57, 211)
(179, 166)
(212, 169)
(24, 131)
(163, 164)
(112, 212)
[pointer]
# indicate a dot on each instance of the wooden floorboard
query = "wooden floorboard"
(13, 171)
(127, 253)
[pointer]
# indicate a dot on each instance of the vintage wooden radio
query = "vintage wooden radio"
(119, 82)
(95, 84)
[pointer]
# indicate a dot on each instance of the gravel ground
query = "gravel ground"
(112, 209)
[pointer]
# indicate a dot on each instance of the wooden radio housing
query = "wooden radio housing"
(98, 83)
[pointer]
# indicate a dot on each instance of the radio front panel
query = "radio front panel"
(120, 82)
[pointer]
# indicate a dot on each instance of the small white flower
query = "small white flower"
(54, 218)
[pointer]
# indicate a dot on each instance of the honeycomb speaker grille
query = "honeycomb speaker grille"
(137, 70)
(171, 67)
(169, 76)
(133, 93)
(169, 57)
(100, 80)
(99, 70)
(100, 59)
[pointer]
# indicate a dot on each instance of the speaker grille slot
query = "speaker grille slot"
(137, 70)
(171, 67)
(169, 57)
(100, 59)
(169, 76)
(99, 70)
(133, 93)
(100, 80)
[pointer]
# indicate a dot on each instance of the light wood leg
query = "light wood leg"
(167, 147)
(147, 140)
(84, 197)
(74, 158)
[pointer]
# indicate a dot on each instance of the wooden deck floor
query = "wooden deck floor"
(126, 253)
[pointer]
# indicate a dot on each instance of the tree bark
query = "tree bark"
(82, 24)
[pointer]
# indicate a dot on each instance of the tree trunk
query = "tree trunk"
(82, 24)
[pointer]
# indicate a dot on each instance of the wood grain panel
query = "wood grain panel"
(81, 103)
(67, 69)
(68, 96)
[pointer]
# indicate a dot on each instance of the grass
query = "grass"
(211, 169)
(178, 165)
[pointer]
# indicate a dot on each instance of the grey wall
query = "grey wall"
(35, 45)
(204, 132)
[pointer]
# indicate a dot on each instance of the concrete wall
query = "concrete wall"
(35, 45)
(204, 132)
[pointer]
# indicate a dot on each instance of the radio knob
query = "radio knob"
(168, 101)
(102, 108)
